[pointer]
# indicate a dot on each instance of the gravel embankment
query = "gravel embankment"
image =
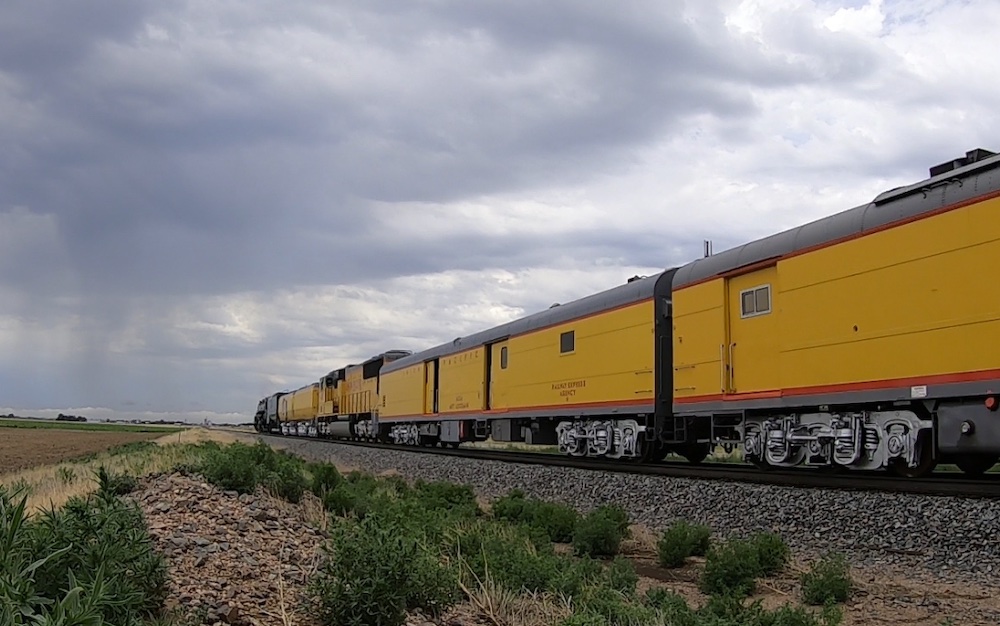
(946, 536)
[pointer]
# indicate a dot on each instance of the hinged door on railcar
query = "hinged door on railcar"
(752, 347)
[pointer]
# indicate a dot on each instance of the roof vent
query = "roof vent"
(970, 157)
(635, 278)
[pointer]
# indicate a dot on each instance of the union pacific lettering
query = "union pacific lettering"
(568, 389)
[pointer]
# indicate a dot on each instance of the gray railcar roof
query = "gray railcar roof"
(960, 184)
(635, 291)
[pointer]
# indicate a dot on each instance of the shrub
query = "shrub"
(111, 548)
(731, 569)
(772, 552)
(460, 499)
(600, 533)
(324, 478)
(89, 563)
(242, 468)
(557, 520)
(347, 498)
(375, 571)
(828, 580)
(285, 478)
(680, 541)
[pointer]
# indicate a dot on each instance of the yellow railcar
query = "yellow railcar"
(581, 375)
(301, 405)
(868, 324)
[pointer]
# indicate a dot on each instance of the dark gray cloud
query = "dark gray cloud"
(186, 149)
(162, 157)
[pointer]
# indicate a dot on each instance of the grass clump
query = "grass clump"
(240, 467)
(557, 520)
(827, 581)
(682, 540)
(114, 484)
(504, 553)
(600, 533)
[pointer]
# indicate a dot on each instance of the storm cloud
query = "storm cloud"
(204, 202)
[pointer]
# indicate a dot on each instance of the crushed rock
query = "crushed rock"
(243, 560)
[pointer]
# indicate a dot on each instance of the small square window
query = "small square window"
(503, 358)
(567, 342)
(756, 301)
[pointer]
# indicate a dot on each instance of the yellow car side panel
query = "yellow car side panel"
(462, 381)
(914, 300)
(612, 362)
(897, 306)
(403, 392)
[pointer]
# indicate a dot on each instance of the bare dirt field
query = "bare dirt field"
(24, 448)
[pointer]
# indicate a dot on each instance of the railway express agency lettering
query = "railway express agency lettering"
(568, 389)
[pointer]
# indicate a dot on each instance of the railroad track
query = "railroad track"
(947, 484)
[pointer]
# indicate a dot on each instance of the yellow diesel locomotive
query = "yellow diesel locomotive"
(861, 340)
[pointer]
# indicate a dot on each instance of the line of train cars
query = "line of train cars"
(868, 340)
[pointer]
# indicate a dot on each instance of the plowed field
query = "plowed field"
(24, 448)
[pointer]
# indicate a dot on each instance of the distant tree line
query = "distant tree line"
(71, 418)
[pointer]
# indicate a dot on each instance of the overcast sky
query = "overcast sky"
(203, 202)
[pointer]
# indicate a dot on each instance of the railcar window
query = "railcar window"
(756, 301)
(763, 299)
(503, 358)
(567, 342)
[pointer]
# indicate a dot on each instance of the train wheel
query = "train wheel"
(695, 453)
(925, 463)
(653, 452)
(976, 464)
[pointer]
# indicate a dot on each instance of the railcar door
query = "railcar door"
(431, 387)
(495, 375)
(752, 348)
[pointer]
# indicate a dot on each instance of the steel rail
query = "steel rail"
(952, 484)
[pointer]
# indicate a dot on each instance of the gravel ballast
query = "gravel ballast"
(945, 536)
